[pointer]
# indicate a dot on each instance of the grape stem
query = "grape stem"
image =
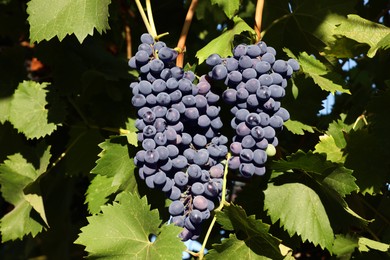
(150, 17)
(144, 18)
(258, 18)
(220, 207)
(184, 32)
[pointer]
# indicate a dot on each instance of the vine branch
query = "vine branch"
(128, 41)
(184, 32)
(258, 18)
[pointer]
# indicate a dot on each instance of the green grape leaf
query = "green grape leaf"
(115, 162)
(331, 176)
(309, 162)
(116, 167)
(5, 105)
(305, 25)
(98, 191)
(384, 43)
(15, 175)
(325, 79)
(66, 17)
(365, 244)
(131, 132)
(337, 130)
(333, 142)
(229, 7)
(365, 31)
(223, 44)
(300, 212)
(28, 112)
(327, 146)
(344, 245)
(297, 127)
(122, 231)
(341, 180)
(253, 232)
(344, 47)
(333, 179)
(232, 247)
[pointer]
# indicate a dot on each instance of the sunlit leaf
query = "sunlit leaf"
(230, 7)
(254, 232)
(15, 175)
(66, 17)
(297, 127)
(223, 44)
(97, 192)
(327, 145)
(365, 31)
(122, 231)
(324, 78)
(300, 212)
(29, 113)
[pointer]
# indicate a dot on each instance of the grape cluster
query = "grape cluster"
(178, 123)
(256, 83)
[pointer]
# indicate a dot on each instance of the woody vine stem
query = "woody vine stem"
(258, 18)
(184, 32)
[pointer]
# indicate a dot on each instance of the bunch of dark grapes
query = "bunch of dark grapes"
(256, 83)
(178, 123)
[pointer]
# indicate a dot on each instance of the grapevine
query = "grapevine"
(194, 129)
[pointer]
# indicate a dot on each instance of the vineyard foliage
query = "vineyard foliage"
(70, 187)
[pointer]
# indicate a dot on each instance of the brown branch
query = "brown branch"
(184, 32)
(258, 18)
(128, 41)
(125, 12)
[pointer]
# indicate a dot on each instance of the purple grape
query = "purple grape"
(179, 162)
(259, 156)
(247, 169)
(200, 202)
(234, 162)
(265, 80)
(147, 38)
(245, 62)
(219, 72)
(262, 67)
(213, 60)
(199, 140)
(230, 96)
(204, 121)
(197, 188)
(268, 57)
(231, 64)
(280, 66)
(294, 64)
(138, 100)
(151, 156)
(201, 157)
(253, 51)
(176, 208)
(192, 113)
